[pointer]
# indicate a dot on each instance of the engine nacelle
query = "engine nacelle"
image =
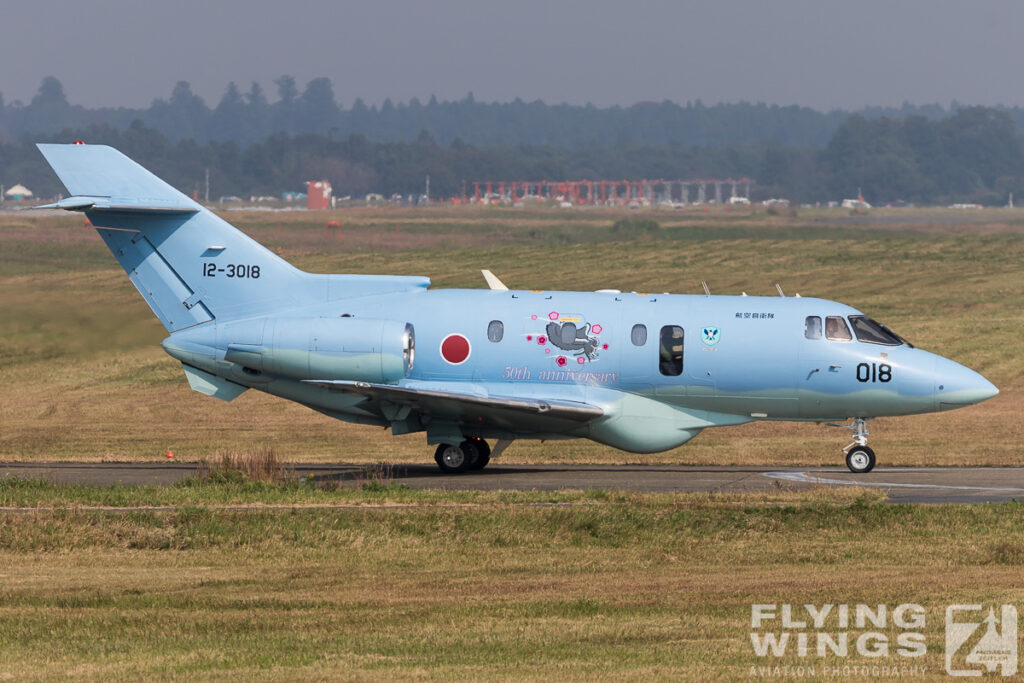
(354, 349)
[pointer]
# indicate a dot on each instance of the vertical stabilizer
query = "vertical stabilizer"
(187, 263)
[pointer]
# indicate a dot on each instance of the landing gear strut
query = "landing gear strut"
(859, 457)
(471, 454)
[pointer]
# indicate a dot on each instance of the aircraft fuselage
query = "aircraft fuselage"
(742, 358)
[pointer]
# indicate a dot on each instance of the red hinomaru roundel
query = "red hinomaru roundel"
(455, 349)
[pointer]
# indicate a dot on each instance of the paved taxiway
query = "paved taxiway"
(901, 485)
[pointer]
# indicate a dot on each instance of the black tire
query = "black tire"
(481, 462)
(455, 459)
(483, 453)
(860, 459)
(482, 447)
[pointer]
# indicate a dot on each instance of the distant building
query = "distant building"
(18, 192)
(855, 204)
(318, 195)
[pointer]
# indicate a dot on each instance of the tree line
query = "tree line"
(974, 155)
(251, 116)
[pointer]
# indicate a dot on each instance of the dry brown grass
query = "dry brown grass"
(257, 464)
(84, 377)
(616, 587)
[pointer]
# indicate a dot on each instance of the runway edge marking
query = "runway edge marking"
(806, 478)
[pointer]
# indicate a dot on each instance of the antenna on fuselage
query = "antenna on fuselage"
(707, 292)
(778, 288)
(493, 282)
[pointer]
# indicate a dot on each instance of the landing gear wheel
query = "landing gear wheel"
(483, 453)
(455, 459)
(860, 459)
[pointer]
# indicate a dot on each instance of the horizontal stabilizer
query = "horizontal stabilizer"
(211, 385)
(120, 206)
(102, 173)
(432, 400)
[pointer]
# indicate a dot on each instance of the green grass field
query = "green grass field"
(84, 376)
(413, 585)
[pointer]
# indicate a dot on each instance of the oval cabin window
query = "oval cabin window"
(638, 335)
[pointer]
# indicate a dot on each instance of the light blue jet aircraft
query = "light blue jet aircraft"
(639, 372)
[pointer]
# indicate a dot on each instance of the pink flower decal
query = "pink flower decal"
(604, 346)
(547, 350)
(533, 317)
(581, 360)
(596, 329)
(553, 315)
(560, 361)
(529, 337)
(542, 340)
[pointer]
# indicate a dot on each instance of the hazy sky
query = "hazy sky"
(820, 53)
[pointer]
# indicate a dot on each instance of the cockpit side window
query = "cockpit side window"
(867, 330)
(495, 330)
(836, 329)
(812, 327)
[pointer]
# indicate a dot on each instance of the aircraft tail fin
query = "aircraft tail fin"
(187, 263)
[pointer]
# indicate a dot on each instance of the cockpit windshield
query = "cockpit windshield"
(867, 330)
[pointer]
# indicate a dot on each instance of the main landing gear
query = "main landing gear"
(859, 457)
(471, 454)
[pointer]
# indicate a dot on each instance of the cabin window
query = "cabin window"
(812, 327)
(867, 330)
(670, 358)
(836, 329)
(495, 330)
(638, 335)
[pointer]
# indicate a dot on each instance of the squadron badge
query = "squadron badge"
(710, 335)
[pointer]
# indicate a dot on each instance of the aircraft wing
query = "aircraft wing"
(496, 410)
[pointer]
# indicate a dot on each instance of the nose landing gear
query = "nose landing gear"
(859, 457)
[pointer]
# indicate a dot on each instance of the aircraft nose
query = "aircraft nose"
(959, 386)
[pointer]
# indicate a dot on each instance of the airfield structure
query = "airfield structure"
(318, 195)
(609, 192)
